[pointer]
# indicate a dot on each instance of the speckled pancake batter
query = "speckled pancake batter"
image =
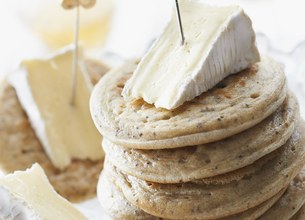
(200, 161)
(223, 195)
(239, 102)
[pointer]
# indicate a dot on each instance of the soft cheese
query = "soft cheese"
(28, 195)
(44, 90)
(218, 41)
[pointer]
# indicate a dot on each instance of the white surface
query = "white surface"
(93, 210)
(138, 22)
(16, 41)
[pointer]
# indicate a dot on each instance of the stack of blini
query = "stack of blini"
(235, 152)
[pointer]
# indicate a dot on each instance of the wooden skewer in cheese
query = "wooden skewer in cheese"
(43, 87)
(69, 4)
(180, 22)
(219, 41)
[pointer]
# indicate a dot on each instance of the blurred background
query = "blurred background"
(115, 30)
(125, 29)
(31, 28)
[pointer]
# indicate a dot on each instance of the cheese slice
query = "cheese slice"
(218, 41)
(44, 89)
(28, 195)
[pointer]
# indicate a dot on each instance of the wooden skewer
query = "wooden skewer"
(75, 58)
(180, 23)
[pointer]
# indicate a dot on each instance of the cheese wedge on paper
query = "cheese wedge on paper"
(218, 41)
(28, 195)
(44, 89)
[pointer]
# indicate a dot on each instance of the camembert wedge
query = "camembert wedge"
(218, 41)
(44, 90)
(28, 195)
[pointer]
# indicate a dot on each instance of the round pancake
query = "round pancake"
(223, 195)
(290, 202)
(239, 102)
(197, 162)
(117, 206)
(20, 148)
(114, 203)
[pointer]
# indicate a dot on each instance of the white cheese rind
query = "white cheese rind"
(43, 87)
(28, 195)
(13, 208)
(219, 41)
(19, 81)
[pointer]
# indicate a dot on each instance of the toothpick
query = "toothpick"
(180, 23)
(75, 58)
